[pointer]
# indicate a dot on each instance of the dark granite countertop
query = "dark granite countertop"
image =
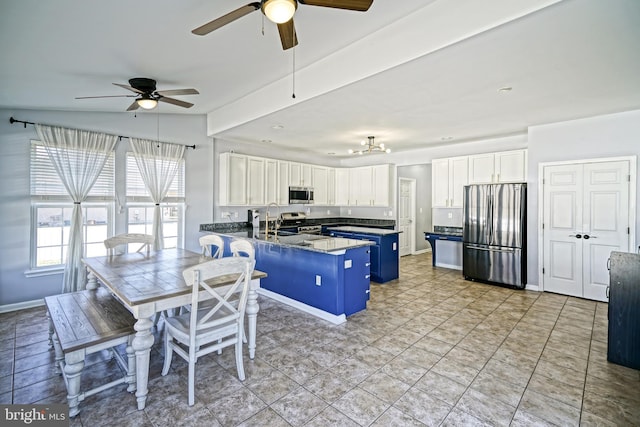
(310, 242)
(333, 222)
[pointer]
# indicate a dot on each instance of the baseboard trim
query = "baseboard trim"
(21, 305)
(336, 320)
(536, 288)
(421, 251)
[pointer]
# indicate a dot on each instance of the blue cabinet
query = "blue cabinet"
(384, 254)
(335, 282)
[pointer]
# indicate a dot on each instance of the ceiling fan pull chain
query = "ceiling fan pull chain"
(293, 89)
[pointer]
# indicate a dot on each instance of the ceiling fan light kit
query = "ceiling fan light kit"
(147, 96)
(279, 11)
(147, 102)
(370, 147)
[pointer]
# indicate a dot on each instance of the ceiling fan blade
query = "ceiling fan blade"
(175, 102)
(288, 36)
(172, 92)
(133, 106)
(225, 19)
(106, 96)
(358, 5)
(132, 89)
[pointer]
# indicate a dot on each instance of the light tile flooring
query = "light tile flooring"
(431, 349)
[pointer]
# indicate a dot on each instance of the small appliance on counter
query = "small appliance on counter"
(255, 222)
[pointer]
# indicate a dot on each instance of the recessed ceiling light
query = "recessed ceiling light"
(446, 138)
(277, 127)
(266, 141)
(331, 153)
(505, 89)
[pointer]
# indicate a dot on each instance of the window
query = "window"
(51, 209)
(140, 208)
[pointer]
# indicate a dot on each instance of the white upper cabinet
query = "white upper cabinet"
(283, 183)
(504, 166)
(331, 187)
(320, 178)
(233, 179)
(381, 185)
(342, 186)
(271, 182)
(255, 181)
(369, 186)
(449, 176)
(511, 166)
(300, 175)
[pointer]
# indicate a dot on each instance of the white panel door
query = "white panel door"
(586, 216)
(406, 216)
(605, 222)
(562, 219)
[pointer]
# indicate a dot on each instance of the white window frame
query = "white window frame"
(55, 199)
(139, 201)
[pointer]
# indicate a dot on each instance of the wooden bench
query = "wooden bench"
(85, 322)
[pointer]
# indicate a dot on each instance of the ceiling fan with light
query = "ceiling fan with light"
(281, 12)
(147, 96)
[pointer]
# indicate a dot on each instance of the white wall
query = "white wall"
(14, 183)
(596, 137)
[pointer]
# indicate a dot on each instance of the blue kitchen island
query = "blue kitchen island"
(327, 277)
(385, 258)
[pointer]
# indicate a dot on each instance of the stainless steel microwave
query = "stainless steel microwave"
(300, 195)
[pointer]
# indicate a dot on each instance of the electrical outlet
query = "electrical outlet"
(225, 214)
(390, 213)
(318, 280)
(450, 215)
(235, 214)
(328, 212)
(384, 213)
(348, 211)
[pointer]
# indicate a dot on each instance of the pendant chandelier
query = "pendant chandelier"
(370, 147)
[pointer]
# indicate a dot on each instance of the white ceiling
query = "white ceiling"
(409, 72)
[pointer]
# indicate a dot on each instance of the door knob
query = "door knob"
(577, 236)
(586, 237)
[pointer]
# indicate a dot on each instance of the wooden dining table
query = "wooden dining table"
(147, 284)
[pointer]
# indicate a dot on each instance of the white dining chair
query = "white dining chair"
(215, 326)
(145, 240)
(206, 242)
(243, 248)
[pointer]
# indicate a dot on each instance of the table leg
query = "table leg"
(92, 281)
(74, 363)
(252, 315)
(142, 343)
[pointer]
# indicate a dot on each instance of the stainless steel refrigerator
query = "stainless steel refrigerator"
(494, 233)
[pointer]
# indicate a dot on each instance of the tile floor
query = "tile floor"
(431, 349)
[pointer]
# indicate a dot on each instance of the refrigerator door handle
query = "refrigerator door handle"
(482, 248)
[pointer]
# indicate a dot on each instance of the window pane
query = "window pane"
(171, 242)
(96, 249)
(48, 256)
(48, 236)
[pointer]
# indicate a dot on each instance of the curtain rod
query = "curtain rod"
(12, 121)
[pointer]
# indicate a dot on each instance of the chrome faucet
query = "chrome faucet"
(276, 221)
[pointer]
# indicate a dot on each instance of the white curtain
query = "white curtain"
(78, 156)
(158, 163)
